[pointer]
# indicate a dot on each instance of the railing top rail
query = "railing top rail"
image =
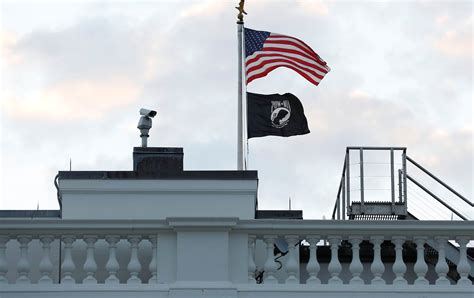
(10, 226)
(354, 228)
(269, 226)
(374, 148)
(439, 181)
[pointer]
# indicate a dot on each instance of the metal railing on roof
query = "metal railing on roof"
(346, 207)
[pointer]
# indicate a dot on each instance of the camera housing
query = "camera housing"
(147, 112)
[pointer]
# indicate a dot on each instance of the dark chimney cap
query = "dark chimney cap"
(157, 159)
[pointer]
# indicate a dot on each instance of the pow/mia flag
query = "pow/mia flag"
(275, 115)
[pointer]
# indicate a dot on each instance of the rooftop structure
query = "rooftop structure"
(162, 231)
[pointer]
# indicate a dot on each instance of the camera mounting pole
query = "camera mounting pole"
(144, 124)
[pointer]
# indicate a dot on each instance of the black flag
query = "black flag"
(275, 115)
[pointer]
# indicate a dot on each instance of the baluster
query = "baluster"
(313, 266)
(134, 265)
(334, 266)
(153, 265)
(90, 266)
(68, 266)
(441, 266)
(46, 266)
(420, 266)
(251, 262)
(463, 268)
(3, 259)
(399, 268)
(23, 265)
(356, 267)
(270, 266)
(292, 263)
(377, 268)
(112, 264)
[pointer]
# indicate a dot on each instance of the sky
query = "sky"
(74, 75)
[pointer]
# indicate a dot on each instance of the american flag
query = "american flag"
(266, 51)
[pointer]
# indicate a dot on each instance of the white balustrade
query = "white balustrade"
(420, 266)
(356, 267)
(463, 267)
(399, 268)
(313, 265)
(90, 266)
(35, 265)
(377, 267)
(134, 265)
(23, 265)
(3, 259)
(251, 262)
(153, 265)
(68, 265)
(442, 267)
(334, 266)
(292, 263)
(112, 264)
(46, 266)
(270, 266)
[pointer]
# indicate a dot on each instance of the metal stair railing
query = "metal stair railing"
(440, 182)
(436, 197)
(343, 201)
(345, 207)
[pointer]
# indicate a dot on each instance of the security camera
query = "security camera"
(144, 124)
(147, 113)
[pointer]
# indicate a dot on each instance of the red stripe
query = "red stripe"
(294, 66)
(263, 54)
(291, 65)
(309, 48)
(276, 49)
(263, 74)
(263, 63)
(290, 43)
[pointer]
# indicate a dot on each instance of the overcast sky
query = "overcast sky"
(74, 75)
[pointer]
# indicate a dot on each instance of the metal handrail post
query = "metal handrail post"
(343, 197)
(348, 177)
(361, 152)
(404, 165)
(392, 180)
(400, 197)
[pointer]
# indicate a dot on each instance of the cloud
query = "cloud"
(314, 7)
(8, 40)
(204, 9)
(93, 48)
(74, 100)
(455, 43)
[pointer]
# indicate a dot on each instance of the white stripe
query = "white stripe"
(288, 56)
(287, 47)
(292, 39)
(263, 69)
(263, 59)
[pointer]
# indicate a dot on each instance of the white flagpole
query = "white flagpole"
(240, 139)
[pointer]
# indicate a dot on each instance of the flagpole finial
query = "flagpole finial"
(241, 10)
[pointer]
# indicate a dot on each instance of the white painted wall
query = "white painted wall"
(157, 199)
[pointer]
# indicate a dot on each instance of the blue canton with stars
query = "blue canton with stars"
(254, 40)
